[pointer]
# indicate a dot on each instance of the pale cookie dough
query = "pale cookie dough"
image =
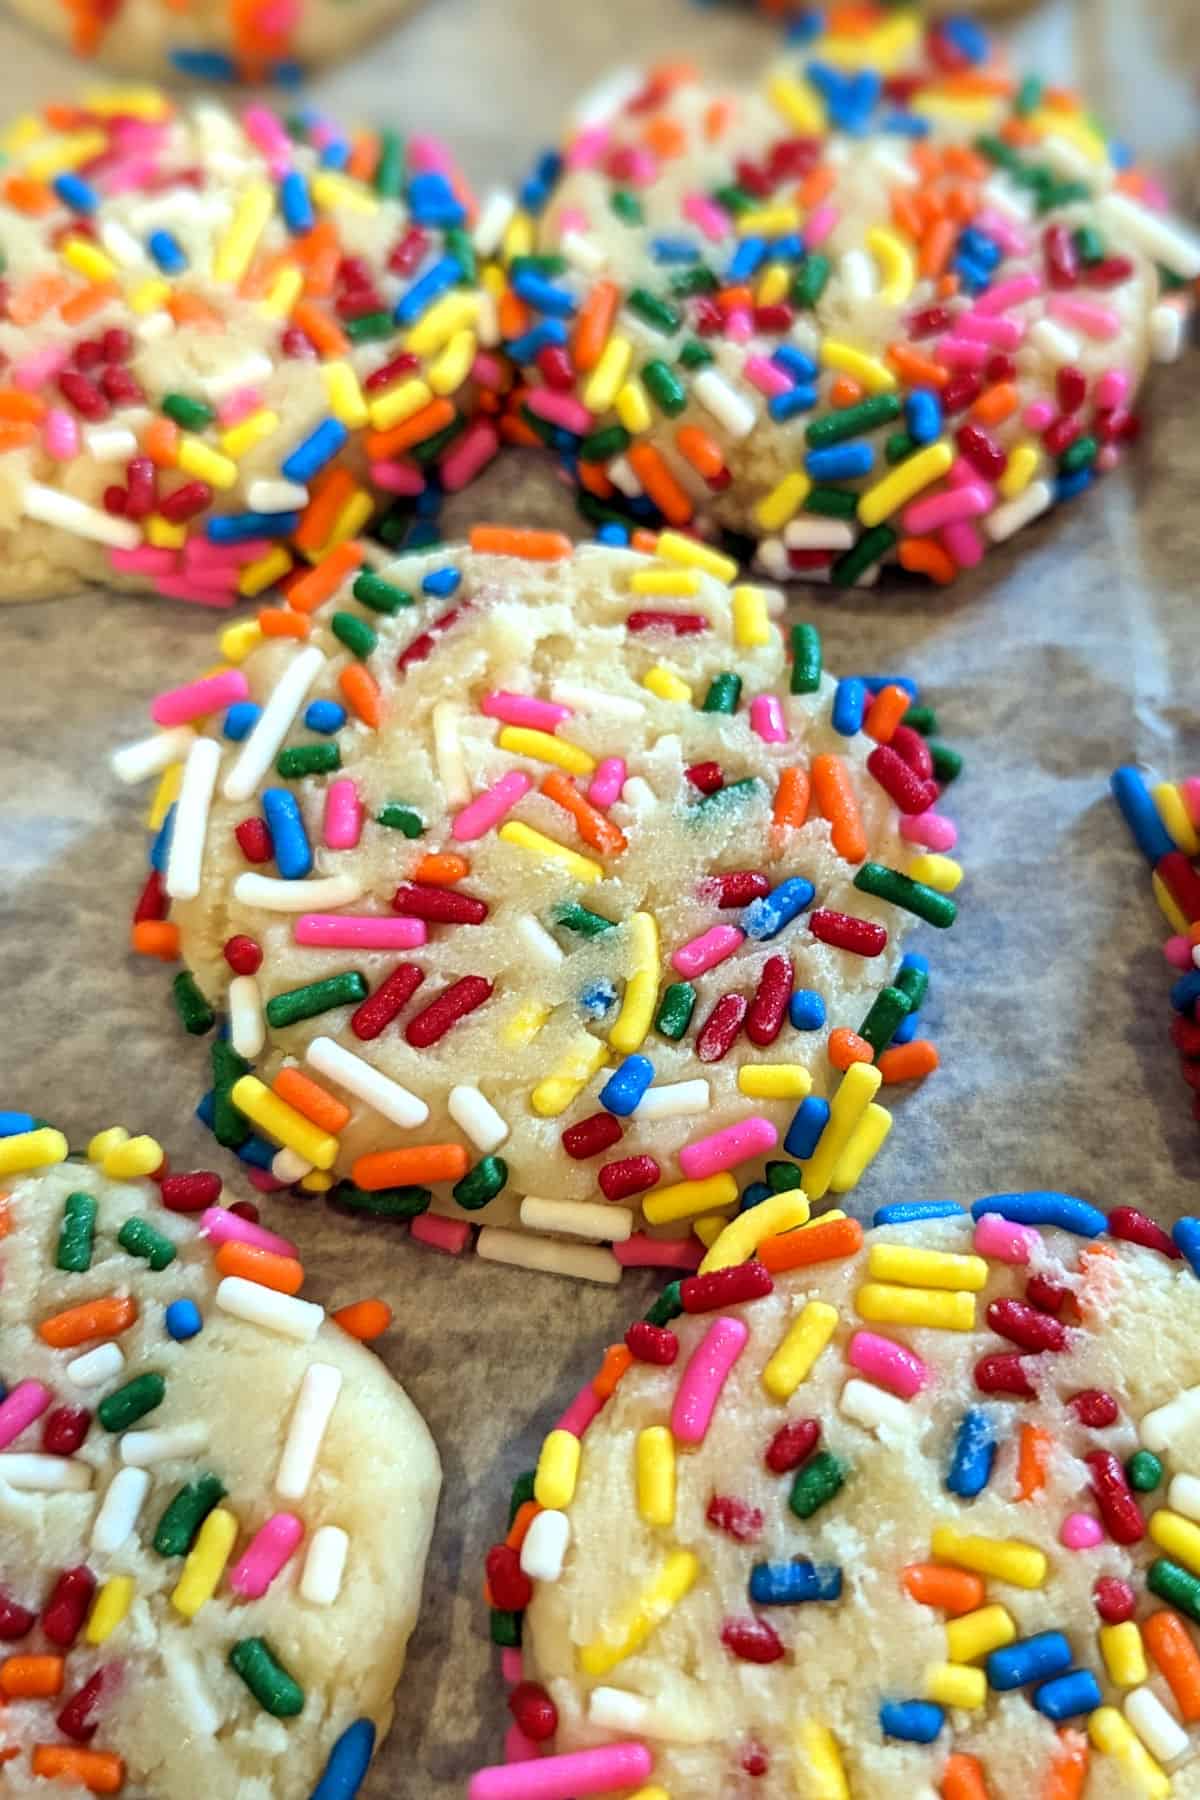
(903, 1513)
(890, 305)
(244, 1398)
(597, 742)
(225, 349)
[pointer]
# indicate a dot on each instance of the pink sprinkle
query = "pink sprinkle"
(1189, 792)
(27, 1402)
(488, 370)
(962, 353)
(640, 1251)
(1038, 415)
(512, 1666)
(145, 560)
(588, 147)
(936, 510)
(265, 128)
(178, 706)
(60, 434)
(1080, 1531)
(888, 1363)
(724, 1149)
(1003, 332)
(707, 950)
(712, 219)
(560, 409)
(181, 587)
(569, 1777)
(739, 325)
(1107, 458)
(396, 477)
(640, 167)
(240, 404)
(199, 555)
(1154, 195)
(35, 370)
(428, 152)
(359, 931)
(449, 1235)
(224, 1227)
(518, 1748)
(1005, 1241)
(964, 544)
(1178, 952)
(706, 1374)
(523, 709)
(265, 1555)
(930, 829)
(479, 443)
(1007, 294)
(1092, 318)
(766, 719)
(264, 1182)
(767, 376)
(572, 218)
(342, 823)
(819, 226)
(607, 782)
(487, 809)
(1112, 389)
(582, 1410)
(961, 474)
(1007, 234)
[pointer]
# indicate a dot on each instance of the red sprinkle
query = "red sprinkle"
(15, 1619)
(1001, 367)
(652, 1343)
(738, 888)
(632, 1175)
(845, 932)
(83, 394)
(916, 752)
(422, 646)
(380, 1008)
(1118, 1508)
(1110, 271)
(1023, 1324)
(246, 1209)
(899, 782)
(442, 906)
(243, 955)
(1062, 432)
(725, 1287)
(1004, 1372)
(737, 1518)
(981, 451)
(598, 1132)
(254, 840)
(511, 1588)
(962, 390)
(1070, 384)
(452, 1004)
(391, 372)
(534, 1711)
(190, 1193)
(753, 1640)
(556, 368)
(76, 1720)
(680, 624)
(1114, 1599)
(1185, 1035)
(141, 479)
(1095, 1408)
(186, 501)
(706, 776)
(792, 1444)
(64, 1429)
(152, 902)
(930, 320)
(67, 1607)
(1045, 1294)
(1061, 257)
(755, 1760)
(719, 1031)
(768, 1007)
(1135, 1228)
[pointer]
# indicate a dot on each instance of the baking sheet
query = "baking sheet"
(1072, 649)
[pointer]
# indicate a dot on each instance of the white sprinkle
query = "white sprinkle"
(151, 755)
(247, 1030)
(729, 408)
(770, 555)
(1009, 518)
(1163, 1736)
(608, 96)
(274, 722)
(152, 326)
(321, 1582)
(110, 443)
(249, 372)
(593, 700)
(616, 1709)
(1066, 158)
(1183, 1495)
(36, 1474)
(189, 1694)
(289, 1166)
(67, 513)
(583, 251)
(818, 534)
(857, 271)
(1054, 342)
(325, 894)
(258, 1305)
(141, 1449)
(365, 1083)
(871, 1407)
(186, 858)
(495, 215)
(121, 244)
(674, 1100)
(536, 941)
(1161, 239)
(620, 473)
(487, 320)
(476, 1118)
(890, 163)
(447, 750)
(97, 1366)
(1175, 1419)
(578, 1218)
(522, 1251)
(310, 1418)
(545, 1546)
(1013, 202)
(638, 795)
(276, 496)
(1166, 332)
(119, 1510)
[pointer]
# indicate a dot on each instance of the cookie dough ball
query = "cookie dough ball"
(891, 305)
(214, 40)
(581, 907)
(903, 1512)
(215, 1504)
(226, 348)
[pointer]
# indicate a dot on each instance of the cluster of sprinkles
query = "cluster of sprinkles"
(299, 757)
(900, 317)
(260, 34)
(1165, 824)
(335, 346)
(1125, 1689)
(61, 1644)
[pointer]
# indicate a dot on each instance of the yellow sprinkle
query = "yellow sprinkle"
(557, 1470)
(768, 221)
(921, 1307)
(1171, 910)
(316, 1182)
(197, 458)
(555, 1093)
(524, 1024)
(133, 102)
(1179, 1537)
(742, 1236)
(854, 1093)
(688, 1199)
(1059, 122)
(633, 408)
(826, 1218)
(751, 624)
(106, 1141)
(251, 430)
(802, 1344)
(961, 110)
(783, 502)
(927, 1268)
(677, 583)
(1124, 1654)
(866, 1141)
(345, 397)
(655, 1463)
(518, 237)
(774, 1081)
(641, 986)
(674, 547)
(901, 483)
(205, 1562)
(1004, 1559)
(398, 403)
(709, 1229)
(109, 1608)
(868, 371)
(543, 746)
(257, 576)
(978, 1633)
(954, 1684)
(253, 210)
(880, 49)
(453, 313)
(87, 259)
(68, 153)
(798, 103)
(132, 1159)
(936, 871)
(524, 837)
(237, 641)
(150, 295)
(32, 1150)
(1019, 470)
(651, 1793)
(349, 522)
(283, 294)
(329, 190)
(819, 1771)
(608, 377)
(282, 1122)
(451, 368)
(163, 535)
(1174, 815)
(896, 263)
(1111, 1734)
(665, 684)
(165, 795)
(639, 1617)
(24, 130)
(773, 285)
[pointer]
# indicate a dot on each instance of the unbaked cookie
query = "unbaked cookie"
(543, 893)
(215, 1505)
(227, 344)
(904, 1513)
(892, 305)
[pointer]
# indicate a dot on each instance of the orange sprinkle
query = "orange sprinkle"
(307, 1096)
(15, 405)
(962, 1778)
(1170, 1644)
(666, 137)
(594, 325)
(523, 1518)
(908, 1062)
(829, 1241)
(1033, 1460)
(846, 1047)
(936, 245)
(671, 500)
(160, 441)
(319, 328)
(835, 797)
(996, 403)
(319, 253)
(718, 116)
(27, 195)
(103, 1318)
(364, 156)
(816, 187)
(416, 1166)
(905, 215)
(980, 83)
(617, 1359)
(187, 308)
(424, 424)
(702, 451)
(885, 712)
(99, 1771)
(362, 694)
(441, 869)
(645, 541)
(330, 492)
(947, 285)
(155, 937)
(734, 299)
(364, 1319)
(925, 556)
(277, 621)
(591, 477)
(914, 369)
(791, 796)
(592, 826)
(514, 430)
(15, 437)
(531, 546)
(88, 300)
(845, 392)
(953, 1591)
(35, 297)
(6, 1223)
(281, 1273)
(962, 160)
(1067, 1775)
(31, 1677)
(513, 315)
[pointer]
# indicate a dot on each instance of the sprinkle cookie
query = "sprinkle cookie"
(910, 1512)
(225, 348)
(214, 1504)
(891, 306)
(541, 893)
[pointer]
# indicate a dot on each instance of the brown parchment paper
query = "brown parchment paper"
(1072, 649)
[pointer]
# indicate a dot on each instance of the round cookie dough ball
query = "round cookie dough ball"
(226, 348)
(215, 1504)
(580, 905)
(853, 315)
(214, 40)
(903, 1512)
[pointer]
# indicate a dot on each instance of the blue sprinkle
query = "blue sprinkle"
(204, 65)
(907, 1029)
(923, 415)
(242, 528)
(805, 26)
(767, 916)
(796, 400)
(1186, 991)
(1120, 155)
(1067, 487)
(613, 533)
(746, 259)
(1078, 1692)
(754, 1195)
(908, 1212)
(544, 334)
(972, 275)
(904, 124)
(241, 719)
(296, 203)
(535, 189)
(75, 192)
(795, 362)
(432, 201)
(422, 536)
(348, 1763)
(441, 582)
(336, 154)
(317, 449)
(849, 706)
(288, 73)
(968, 38)
(840, 462)
(542, 294)
(914, 959)
(804, 1132)
(324, 716)
(1029, 1659)
(979, 247)
(182, 1319)
(1062, 1210)
(445, 274)
(622, 1092)
(293, 852)
(258, 1153)
(850, 99)
(793, 1583)
(875, 682)
(1186, 1235)
(167, 252)
(974, 1454)
(788, 248)
(1141, 815)
(806, 1009)
(428, 502)
(206, 1110)
(12, 1124)
(598, 998)
(673, 250)
(916, 1721)
(160, 849)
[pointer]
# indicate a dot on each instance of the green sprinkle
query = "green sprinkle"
(354, 632)
(695, 355)
(380, 595)
(480, 1185)
(668, 1306)
(1170, 1582)
(913, 983)
(316, 997)
(784, 1177)
(389, 172)
(394, 526)
(505, 1628)
(947, 763)
(1144, 1471)
(192, 415)
(1088, 244)
(1079, 455)
(806, 659)
(308, 759)
(401, 818)
(582, 919)
(627, 207)
(898, 446)
(140, 1238)
(675, 1010)
(901, 890)
(922, 719)
(195, 1014)
(697, 280)
(185, 1515)
(230, 1128)
(532, 264)
(382, 1203)
(522, 1492)
(117, 1411)
(997, 151)
(831, 502)
(889, 1007)
(77, 1233)
(853, 421)
(1062, 193)
(659, 314)
(367, 328)
(862, 556)
(724, 692)
(665, 386)
(816, 1484)
(1028, 96)
(430, 448)
(595, 510)
(808, 283)
(458, 245)
(266, 1677)
(732, 794)
(733, 198)
(598, 446)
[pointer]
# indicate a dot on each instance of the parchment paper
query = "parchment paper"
(1072, 649)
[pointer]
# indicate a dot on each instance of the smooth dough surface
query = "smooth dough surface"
(172, 1707)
